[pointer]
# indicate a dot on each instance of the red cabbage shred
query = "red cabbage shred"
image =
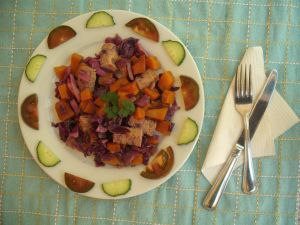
(100, 129)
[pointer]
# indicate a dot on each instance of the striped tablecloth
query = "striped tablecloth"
(217, 33)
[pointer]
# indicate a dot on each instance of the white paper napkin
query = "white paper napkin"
(277, 119)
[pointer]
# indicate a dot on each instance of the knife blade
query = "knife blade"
(260, 106)
(214, 195)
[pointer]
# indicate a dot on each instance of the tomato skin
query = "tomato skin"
(78, 184)
(190, 92)
(29, 111)
(60, 35)
(161, 165)
(144, 27)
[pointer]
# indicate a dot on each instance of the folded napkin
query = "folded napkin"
(277, 119)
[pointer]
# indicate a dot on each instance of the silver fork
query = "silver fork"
(243, 104)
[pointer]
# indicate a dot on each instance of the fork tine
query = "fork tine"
(241, 81)
(247, 77)
(246, 81)
(250, 81)
(236, 94)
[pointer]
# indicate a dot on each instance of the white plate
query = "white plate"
(88, 42)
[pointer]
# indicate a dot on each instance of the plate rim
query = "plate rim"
(199, 122)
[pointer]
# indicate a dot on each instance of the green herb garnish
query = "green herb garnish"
(110, 97)
(127, 108)
(110, 112)
(113, 110)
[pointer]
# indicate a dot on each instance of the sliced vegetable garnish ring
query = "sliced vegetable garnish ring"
(190, 92)
(188, 133)
(78, 184)
(175, 50)
(161, 165)
(117, 187)
(60, 35)
(29, 111)
(144, 27)
(34, 66)
(100, 19)
(46, 156)
(150, 110)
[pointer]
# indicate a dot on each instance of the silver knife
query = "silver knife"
(214, 195)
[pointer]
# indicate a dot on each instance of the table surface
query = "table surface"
(216, 33)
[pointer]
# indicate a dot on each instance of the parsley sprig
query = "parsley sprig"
(113, 109)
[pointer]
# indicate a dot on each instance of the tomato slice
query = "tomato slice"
(29, 111)
(60, 35)
(144, 27)
(190, 92)
(161, 165)
(78, 184)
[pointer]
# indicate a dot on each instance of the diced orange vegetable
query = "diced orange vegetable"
(134, 59)
(100, 111)
(139, 66)
(63, 110)
(113, 147)
(82, 105)
(118, 83)
(153, 140)
(60, 72)
(75, 61)
(138, 159)
(90, 107)
(155, 104)
(87, 106)
(152, 93)
(114, 161)
(168, 97)
(99, 102)
(152, 63)
(139, 113)
(104, 80)
(157, 114)
(122, 96)
(164, 127)
(166, 81)
(86, 94)
(130, 88)
(63, 91)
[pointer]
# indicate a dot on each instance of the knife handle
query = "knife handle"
(248, 184)
(215, 193)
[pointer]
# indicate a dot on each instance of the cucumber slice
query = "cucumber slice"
(188, 132)
(116, 188)
(100, 19)
(175, 50)
(34, 66)
(46, 156)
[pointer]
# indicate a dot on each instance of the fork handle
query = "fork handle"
(248, 183)
(215, 193)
